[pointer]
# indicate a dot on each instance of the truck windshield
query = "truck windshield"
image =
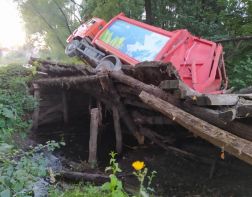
(91, 22)
(134, 41)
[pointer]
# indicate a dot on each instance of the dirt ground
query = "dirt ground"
(176, 175)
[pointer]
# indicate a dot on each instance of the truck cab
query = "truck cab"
(88, 30)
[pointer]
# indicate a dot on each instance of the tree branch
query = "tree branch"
(64, 15)
(235, 39)
(73, 1)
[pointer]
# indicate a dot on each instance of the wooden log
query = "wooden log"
(150, 120)
(140, 86)
(213, 117)
(118, 131)
(83, 68)
(94, 127)
(35, 115)
(233, 144)
(216, 100)
(209, 115)
(84, 176)
(246, 90)
(69, 81)
(65, 107)
(244, 108)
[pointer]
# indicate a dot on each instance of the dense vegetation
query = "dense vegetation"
(15, 101)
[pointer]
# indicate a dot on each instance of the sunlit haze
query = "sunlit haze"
(12, 33)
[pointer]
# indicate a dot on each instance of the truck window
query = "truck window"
(91, 22)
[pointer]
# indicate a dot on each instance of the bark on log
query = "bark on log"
(233, 144)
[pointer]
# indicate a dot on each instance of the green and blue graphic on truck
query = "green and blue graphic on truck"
(136, 42)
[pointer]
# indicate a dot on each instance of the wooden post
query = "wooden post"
(94, 127)
(65, 107)
(231, 143)
(118, 131)
(35, 116)
(123, 112)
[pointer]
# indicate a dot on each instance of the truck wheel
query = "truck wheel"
(71, 48)
(109, 62)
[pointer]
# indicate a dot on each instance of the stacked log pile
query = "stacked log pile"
(150, 93)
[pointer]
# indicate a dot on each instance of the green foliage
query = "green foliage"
(15, 100)
(20, 169)
(108, 9)
(114, 187)
(81, 190)
(240, 73)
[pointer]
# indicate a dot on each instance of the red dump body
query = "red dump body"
(199, 62)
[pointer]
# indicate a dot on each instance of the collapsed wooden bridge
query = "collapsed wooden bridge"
(148, 94)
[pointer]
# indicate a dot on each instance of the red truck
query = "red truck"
(122, 40)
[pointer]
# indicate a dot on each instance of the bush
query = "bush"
(19, 169)
(15, 101)
(240, 73)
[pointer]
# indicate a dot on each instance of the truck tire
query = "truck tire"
(109, 62)
(71, 48)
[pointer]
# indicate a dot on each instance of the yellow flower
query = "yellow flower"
(138, 165)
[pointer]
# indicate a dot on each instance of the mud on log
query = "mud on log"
(233, 144)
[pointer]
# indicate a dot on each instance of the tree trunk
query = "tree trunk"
(148, 11)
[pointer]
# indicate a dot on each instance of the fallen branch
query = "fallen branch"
(84, 176)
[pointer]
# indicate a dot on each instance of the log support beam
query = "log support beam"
(35, 115)
(65, 107)
(94, 128)
(118, 130)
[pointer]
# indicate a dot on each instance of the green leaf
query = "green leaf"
(5, 193)
(4, 148)
(8, 113)
(106, 186)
